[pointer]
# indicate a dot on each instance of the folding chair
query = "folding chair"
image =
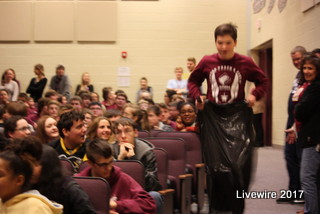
(98, 191)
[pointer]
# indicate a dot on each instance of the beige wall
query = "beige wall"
(287, 29)
(158, 36)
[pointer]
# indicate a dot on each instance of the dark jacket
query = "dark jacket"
(76, 156)
(307, 111)
(144, 154)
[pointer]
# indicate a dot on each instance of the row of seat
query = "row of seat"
(184, 150)
(175, 152)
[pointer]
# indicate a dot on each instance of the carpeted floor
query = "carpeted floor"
(270, 175)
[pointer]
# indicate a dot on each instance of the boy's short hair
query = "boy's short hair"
(66, 120)
(192, 59)
(124, 121)
(10, 124)
(226, 29)
(98, 148)
(75, 98)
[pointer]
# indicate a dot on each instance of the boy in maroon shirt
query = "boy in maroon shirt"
(226, 73)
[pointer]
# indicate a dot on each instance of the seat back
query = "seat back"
(162, 166)
(83, 165)
(67, 167)
(144, 134)
(194, 157)
(133, 168)
(98, 190)
(193, 145)
(176, 150)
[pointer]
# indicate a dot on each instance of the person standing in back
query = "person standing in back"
(37, 84)
(60, 82)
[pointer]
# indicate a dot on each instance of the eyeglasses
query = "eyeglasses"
(26, 128)
(104, 164)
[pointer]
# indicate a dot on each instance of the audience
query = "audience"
(60, 82)
(17, 164)
(85, 84)
(53, 109)
(121, 100)
(37, 84)
(128, 197)
(129, 147)
(10, 84)
(108, 98)
(145, 90)
(51, 182)
(178, 84)
(96, 109)
(76, 102)
(71, 144)
(4, 96)
(139, 116)
(154, 116)
(47, 129)
(188, 116)
(16, 127)
(101, 128)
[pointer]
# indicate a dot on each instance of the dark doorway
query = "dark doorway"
(264, 55)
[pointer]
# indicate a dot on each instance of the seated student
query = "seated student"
(71, 144)
(47, 129)
(139, 116)
(165, 115)
(154, 116)
(16, 169)
(96, 109)
(4, 96)
(88, 116)
(127, 195)
(53, 109)
(76, 102)
(113, 114)
(173, 110)
(86, 99)
(145, 90)
(52, 94)
(16, 127)
(51, 182)
(187, 117)
(129, 147)
(101, 128)
(108, 98)
(121, 100)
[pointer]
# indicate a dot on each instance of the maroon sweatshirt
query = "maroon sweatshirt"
(226, 79)
(131, 198)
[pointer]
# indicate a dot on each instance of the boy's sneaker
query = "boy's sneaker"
(298, 201)
(284, 200)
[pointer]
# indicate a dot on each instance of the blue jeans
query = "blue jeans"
(310, 165)
(292, 153)
(159, 200)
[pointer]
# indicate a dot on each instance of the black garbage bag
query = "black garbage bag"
(227, 137)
